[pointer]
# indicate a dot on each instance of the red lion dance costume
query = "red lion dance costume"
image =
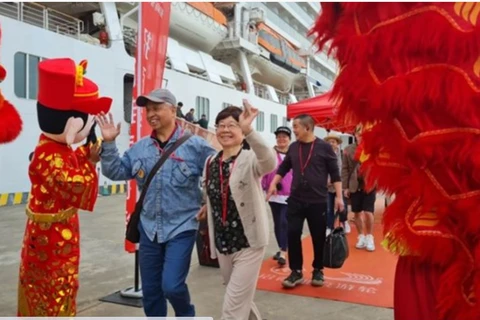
(410, 73)
(63, 181)
(10, 121)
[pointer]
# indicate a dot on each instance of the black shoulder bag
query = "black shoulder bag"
(132, 234)
(336, 249)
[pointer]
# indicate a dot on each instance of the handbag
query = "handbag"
(336, 249)
(132, 233)
(203, 240)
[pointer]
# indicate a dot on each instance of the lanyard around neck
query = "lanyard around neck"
(302, 165)
(226, 185)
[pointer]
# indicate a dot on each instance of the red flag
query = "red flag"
(152, 39)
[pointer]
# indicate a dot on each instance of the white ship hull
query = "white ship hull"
(107, 66)
(193, 75)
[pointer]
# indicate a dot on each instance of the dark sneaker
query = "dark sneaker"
(276, 256)
(281, 261)
(317, 278)
(293, 279)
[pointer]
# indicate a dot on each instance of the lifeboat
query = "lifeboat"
(284, 63)
(198, 24)
(282, 53)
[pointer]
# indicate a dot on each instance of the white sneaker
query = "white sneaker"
(346, 227)
(361, 243)
(370, 243)
(328, 232)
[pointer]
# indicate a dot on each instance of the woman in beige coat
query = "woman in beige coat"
(236, 209)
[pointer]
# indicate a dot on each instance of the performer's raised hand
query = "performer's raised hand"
(95, 150)
(109, 130)
(246, 118)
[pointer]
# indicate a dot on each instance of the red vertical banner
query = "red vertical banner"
(152, 40)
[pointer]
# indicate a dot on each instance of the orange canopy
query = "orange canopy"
(323, 111)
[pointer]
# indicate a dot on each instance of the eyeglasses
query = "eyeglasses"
(230, 126)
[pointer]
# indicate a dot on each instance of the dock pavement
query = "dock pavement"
(106, 268)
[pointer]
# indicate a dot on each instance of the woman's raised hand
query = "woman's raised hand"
(246, 118)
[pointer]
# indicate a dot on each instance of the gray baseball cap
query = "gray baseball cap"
(158, 96)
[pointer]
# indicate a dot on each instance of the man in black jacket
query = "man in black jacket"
(312, 160)
(203, 122)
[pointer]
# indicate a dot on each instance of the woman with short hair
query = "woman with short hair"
(236, 209)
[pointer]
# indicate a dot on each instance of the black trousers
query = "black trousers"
(315, 214)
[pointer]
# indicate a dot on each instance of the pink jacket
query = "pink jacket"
(286, 181)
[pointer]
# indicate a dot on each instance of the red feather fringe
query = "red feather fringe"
(10, 122)
(3, 73)
(409, 68)
(438, 38)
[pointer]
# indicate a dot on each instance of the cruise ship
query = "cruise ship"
(218, 54)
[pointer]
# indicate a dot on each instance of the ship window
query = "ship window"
(20, 74)
(127, 97)
(33, 76)
(25, 74)
(260, 124)
(202, 106)
(273, 122)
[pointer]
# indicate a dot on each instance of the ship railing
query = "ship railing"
(208, 135)
(260, 90)
(43, 17)
(283, 97)
(242, 30)
(130, 40)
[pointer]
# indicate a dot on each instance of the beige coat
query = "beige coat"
(247, 192)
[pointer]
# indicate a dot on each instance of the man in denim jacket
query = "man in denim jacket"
(168, 221)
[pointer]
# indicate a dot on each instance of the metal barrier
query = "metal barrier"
(42, 17)
(199, 131)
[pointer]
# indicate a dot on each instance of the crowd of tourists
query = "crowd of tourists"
(308, 179)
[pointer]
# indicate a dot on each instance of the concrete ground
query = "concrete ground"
(105, 268)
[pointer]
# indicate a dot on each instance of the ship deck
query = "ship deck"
(105, 268)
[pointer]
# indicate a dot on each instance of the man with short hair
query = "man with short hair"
(179, 111)
(168, 221)
(190, 116)
(203, 122)
(360, 199)
(312, 160)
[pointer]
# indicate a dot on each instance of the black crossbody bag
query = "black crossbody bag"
(132, 234)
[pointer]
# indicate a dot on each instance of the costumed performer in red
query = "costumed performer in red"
(63, 180)
(10, 121)
(412, 71)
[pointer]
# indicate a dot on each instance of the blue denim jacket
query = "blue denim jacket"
(174, 196)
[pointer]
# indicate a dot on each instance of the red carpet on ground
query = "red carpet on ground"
(365, 278)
